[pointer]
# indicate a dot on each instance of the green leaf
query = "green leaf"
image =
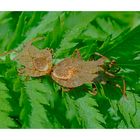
(83, 112)
(17, 37)
(76, 28)
(33, 112)
(40, 102)
(130, 109)
(45, 25)
(34, 101)
(5, 109)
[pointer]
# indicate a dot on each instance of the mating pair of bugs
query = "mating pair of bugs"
(70, 72)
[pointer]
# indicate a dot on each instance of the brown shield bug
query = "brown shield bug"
(73, 72)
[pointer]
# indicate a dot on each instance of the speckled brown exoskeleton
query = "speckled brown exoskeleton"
(35, 62)
(73, 72)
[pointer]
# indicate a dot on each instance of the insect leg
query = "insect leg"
(66, 89)
(94, 90)
(77, 53)
(107, 73)
(123, 90)
(21, 71)
(98, 54)
(124, 85)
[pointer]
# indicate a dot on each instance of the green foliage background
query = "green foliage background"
(40, 102)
